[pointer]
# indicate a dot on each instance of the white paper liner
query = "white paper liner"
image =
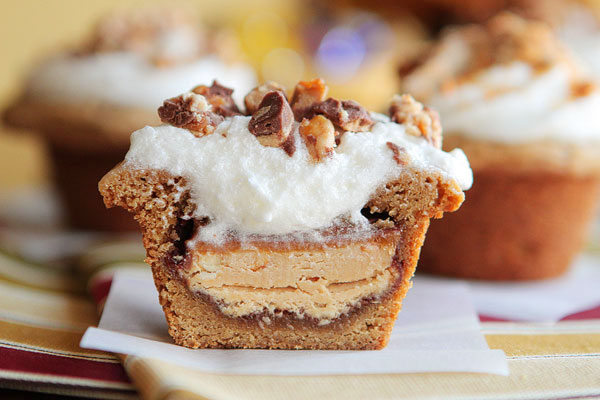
(539, 301)
(437, 331)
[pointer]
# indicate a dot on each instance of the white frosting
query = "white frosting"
(253, 189)
(128, 79)
(581, 33)
(515, 104)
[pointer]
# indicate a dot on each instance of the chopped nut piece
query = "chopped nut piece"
(319, 135)
(289, 146)
(582, 89)
(435, 136)
(384, 223)
(220, 98)
(347, 114)
(511, 38)
(273, 121)
(306, 95)
(190, 111)
(400, 155)
(418, 120)
(253, 99)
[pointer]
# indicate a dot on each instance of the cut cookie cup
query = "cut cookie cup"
(298, 226)
(340, 293)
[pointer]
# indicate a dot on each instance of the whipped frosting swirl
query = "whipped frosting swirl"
(249, 188)
(508, 81)
(514, 103)
(580, 31)
(130, 79)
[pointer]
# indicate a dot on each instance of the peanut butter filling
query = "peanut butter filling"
(321, 282)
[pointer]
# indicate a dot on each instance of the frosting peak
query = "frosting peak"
(128, 79)
(139, 57)
(465, 52)
(508, 81)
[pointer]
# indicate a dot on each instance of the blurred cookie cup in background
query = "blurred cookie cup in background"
(517, 102)
(436, 14)
(86, 101)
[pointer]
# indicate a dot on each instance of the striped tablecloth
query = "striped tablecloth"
(44, 312)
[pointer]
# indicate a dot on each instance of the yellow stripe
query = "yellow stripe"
(56, 341)
(147, 378)
(34, 306)
(13, 269)
(119, 251)
(547, 344)
(532, 378)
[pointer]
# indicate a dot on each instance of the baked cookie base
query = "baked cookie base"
(76, 177)
(85, 140)
(515, 226)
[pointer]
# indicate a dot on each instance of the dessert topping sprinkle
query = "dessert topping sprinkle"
(256, 95)
(306, 95)
(400, 155)
(190, 111)
(418, 120)
(273, 121)
(164, 35)
(318, 134)
(582, 89)
(463, 53)
(347, 114)
(219, 97)
(273, 117)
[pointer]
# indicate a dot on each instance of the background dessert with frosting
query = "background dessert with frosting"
(85, 102)
(527, 116)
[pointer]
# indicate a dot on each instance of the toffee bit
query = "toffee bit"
(219, 97)
(256, 95)
(273, 121)
(319, 136)
(417, 119)
(400, 155)
(306, 95)
(347, 115)
(190, 111)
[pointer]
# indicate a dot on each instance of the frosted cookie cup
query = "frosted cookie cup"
(297, 225)
(85, 103)
(518, 104)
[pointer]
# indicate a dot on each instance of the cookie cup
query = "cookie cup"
(83, 141)
(528, 214)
